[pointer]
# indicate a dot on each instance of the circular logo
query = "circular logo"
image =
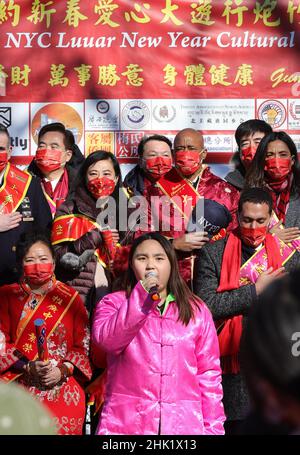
(272, 112)
(135, 114)
(164, 113)
(102, 107)
(57, 112)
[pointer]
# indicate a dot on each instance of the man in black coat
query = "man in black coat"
(22, 207)
(56, 163)
(226, 300)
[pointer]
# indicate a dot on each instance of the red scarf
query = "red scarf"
(61, 190)
(280, 193)
(230, 330)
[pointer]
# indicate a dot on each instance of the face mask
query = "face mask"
(38, 273)
(101, 187)
(248, 153)
(253, 236)
(3, 160)
(188, 162)
(48, 160)
(278, 168)
(158, 165)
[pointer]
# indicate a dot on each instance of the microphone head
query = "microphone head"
(154, 274)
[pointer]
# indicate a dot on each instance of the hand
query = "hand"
(10, 221)
(149, 282)
(51, 378)
(191, 241)
(287, 234)
(37, 369)
(268, 277)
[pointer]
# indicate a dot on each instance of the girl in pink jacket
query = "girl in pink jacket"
(163, 369)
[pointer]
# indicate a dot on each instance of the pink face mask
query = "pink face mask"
(3, 160)
(158, 166)
(278, 169)
(48, 160)
(188, 162)
(253, 236)
(38, 273)
(101, 187)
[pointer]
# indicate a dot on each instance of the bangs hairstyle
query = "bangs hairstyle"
(255, 176)
(100, 155)
(186, 301)
(247, 129)
(26, 241)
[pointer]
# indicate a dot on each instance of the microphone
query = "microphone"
(40, 328)
(153, 291)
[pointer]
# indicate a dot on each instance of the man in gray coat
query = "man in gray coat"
(217, 280)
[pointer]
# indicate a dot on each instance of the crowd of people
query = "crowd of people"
(162, 296)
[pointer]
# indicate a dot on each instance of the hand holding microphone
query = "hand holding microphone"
(151, 284)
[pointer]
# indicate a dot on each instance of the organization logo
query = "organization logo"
(272, 112)
(135, 114)
(164, 113)
(102, 107)
(5, 116)
(294, 110)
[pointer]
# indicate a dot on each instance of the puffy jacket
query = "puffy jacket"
(163, 376)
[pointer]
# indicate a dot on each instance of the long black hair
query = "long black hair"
(186, 301)
(256, 174)
(269, 348)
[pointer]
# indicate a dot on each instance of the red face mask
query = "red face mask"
(253, 236)
(101, 187)
(3, 160)
(38, 273)
(278, 169)
(248, 153)
(48, 160)
(188, 162)
(158, 166)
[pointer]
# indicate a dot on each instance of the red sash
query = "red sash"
(14, 189)
(230, 329)
(68, 228)
(175, 185)
(52, 309)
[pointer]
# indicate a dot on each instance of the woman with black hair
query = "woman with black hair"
(163, 373)
(86, 227)
(56, 378)
(276, 167)
(247, 136)
(270, 358)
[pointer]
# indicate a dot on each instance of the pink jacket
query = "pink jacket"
(163, 377)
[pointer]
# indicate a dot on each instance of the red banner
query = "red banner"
(117, 69)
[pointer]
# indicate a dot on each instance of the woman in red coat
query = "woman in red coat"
(57, 380)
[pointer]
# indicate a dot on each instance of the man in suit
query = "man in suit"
(22, 206)
(229, 275)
